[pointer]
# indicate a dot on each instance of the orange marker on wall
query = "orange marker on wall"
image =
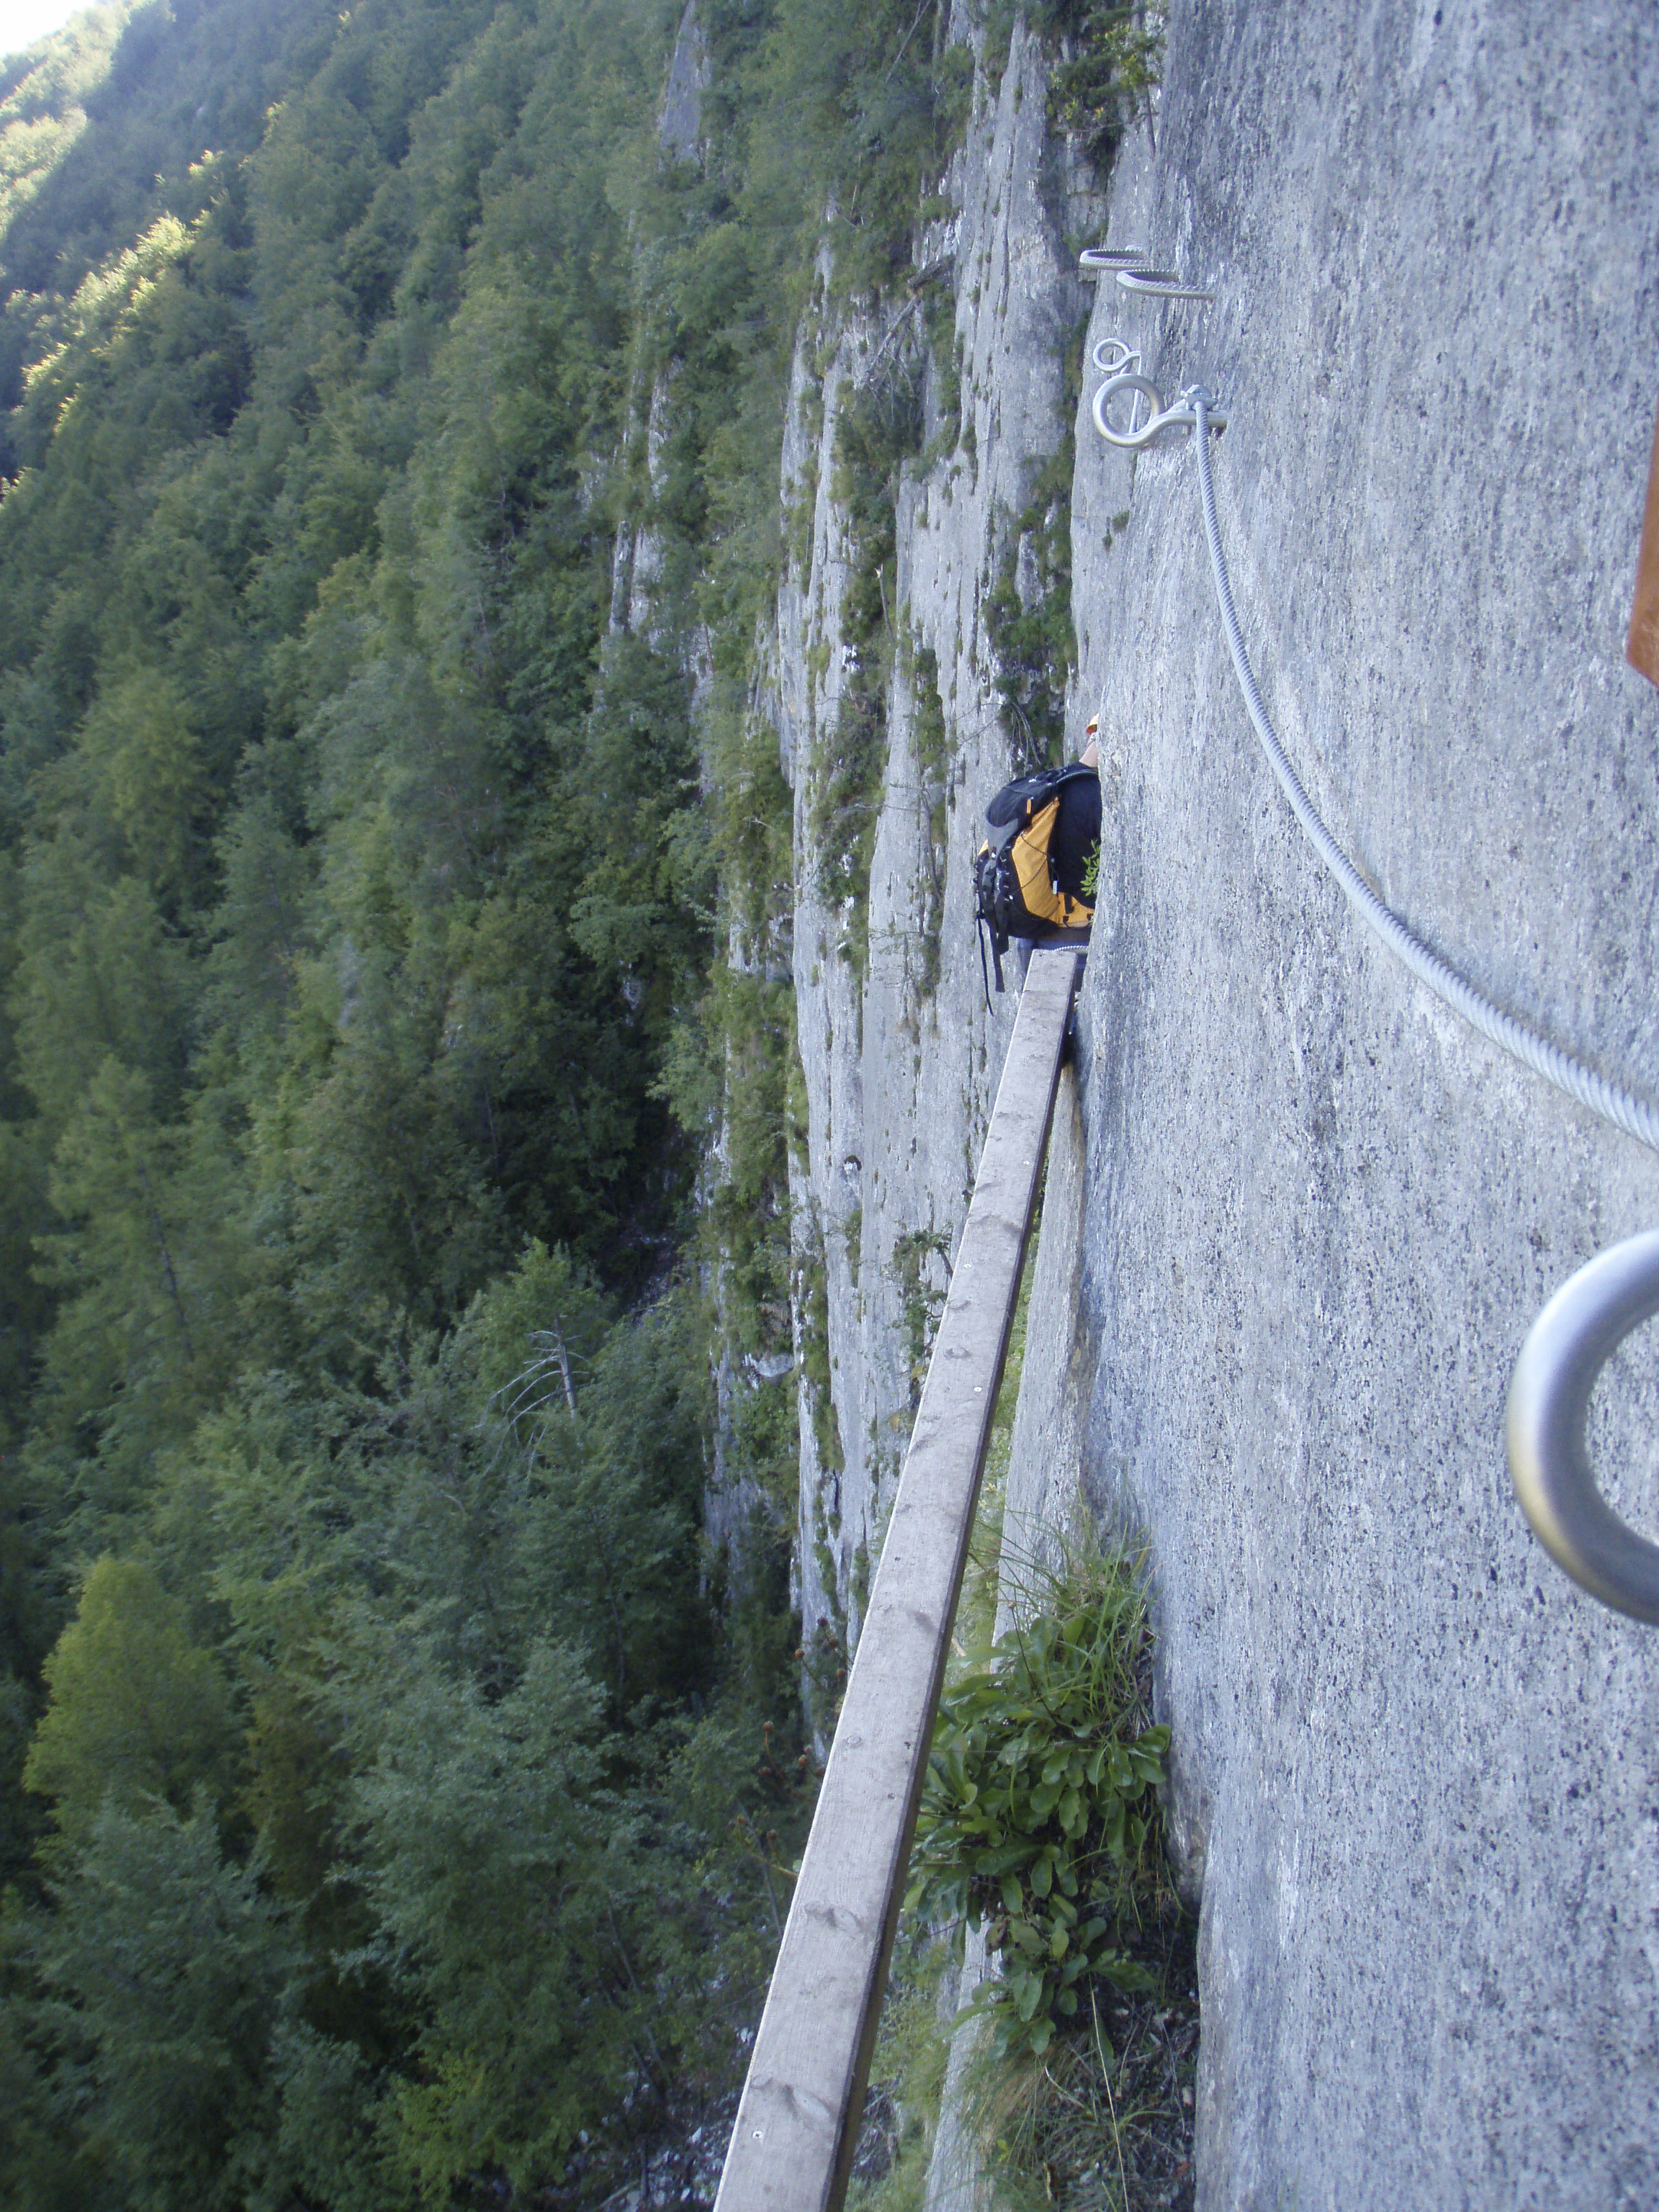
(1642, 645)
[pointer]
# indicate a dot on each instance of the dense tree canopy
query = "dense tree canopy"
(385, 1764)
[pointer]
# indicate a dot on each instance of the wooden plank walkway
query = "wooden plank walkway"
(797, 2125)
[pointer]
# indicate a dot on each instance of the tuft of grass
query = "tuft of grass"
(1103, 2122)
(1097, 2115)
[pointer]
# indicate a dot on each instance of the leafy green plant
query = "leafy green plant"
(1038, 1815)
(1115, 58)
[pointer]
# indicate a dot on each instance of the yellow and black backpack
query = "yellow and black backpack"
(1020, 886)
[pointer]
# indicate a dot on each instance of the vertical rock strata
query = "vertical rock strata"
(900, 1055)
(1416, 1771)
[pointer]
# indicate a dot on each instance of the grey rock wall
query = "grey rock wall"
(1305, 1216)
(1418, 1775)
(900, 1063)
(1042, 1502)
(680, 130)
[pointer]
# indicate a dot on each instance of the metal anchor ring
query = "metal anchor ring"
(1137, 431)
(1112, 356)
(1135, 435)
(1566, 1348)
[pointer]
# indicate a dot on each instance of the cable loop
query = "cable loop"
(1587, 1319)
(1137, 433)
(1622, 1107)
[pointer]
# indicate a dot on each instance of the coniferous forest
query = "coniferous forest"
(396, 1783)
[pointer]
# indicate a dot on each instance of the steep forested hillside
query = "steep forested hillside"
(386, 1777)
(335, 984)
(392, 1085)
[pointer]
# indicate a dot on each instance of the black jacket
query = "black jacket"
(1077, 830)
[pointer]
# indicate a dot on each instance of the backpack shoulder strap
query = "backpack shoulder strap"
(1075, 774)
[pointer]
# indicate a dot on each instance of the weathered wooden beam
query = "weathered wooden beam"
(797, 2125)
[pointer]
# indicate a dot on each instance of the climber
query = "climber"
(1034, 876)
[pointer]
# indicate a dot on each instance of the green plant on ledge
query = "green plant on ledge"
(1038, 1820)
(1113, 57)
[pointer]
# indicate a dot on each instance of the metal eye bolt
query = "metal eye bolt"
(1567, 1347)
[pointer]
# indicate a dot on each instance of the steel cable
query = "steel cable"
(1634, 1116)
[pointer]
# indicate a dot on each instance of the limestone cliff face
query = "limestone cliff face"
(1303, 1219)
(899, 1051)
(1418, 1770)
